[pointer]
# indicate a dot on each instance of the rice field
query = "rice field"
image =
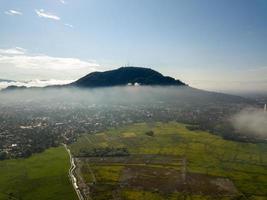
(238, 170)
(43, 176)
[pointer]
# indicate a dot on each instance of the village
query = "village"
(29, 129)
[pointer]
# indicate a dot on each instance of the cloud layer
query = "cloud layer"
(13, 51)
(19, 57)
(18, 60)
(45, 62)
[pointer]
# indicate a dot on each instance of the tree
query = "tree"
(3, 155)
(150, 133)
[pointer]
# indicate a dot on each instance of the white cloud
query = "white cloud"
(251, 121)
(69, 25)
(63, 1)
(18, 57)
(42, 13)
(13, 12)
(13, 51)
(45, 62)
(34, 83)
(17, 64)
(20, 64)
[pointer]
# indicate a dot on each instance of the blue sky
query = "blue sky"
(207, 43)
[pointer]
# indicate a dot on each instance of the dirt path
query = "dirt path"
(183, 170)
(72, 176)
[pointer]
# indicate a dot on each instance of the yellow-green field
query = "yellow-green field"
(225, 169)
(41, 177)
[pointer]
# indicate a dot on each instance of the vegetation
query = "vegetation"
(101, 152)
(211, 167)
(124, 76)
(3, 155)
(42, 176)
(150, 133)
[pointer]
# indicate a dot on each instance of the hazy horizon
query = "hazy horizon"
(231, 87)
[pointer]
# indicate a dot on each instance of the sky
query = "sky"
(218, 45)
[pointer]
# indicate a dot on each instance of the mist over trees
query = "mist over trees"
(37, 118)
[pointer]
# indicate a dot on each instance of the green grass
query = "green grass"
(244, 163)
(42, 176)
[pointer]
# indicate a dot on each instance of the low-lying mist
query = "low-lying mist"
(86, 96)
(251, 121)
(84, 109)
(111, 95)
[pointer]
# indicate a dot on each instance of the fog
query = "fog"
(125, 104)
(251, 121)
(76, 97)
(126, 95)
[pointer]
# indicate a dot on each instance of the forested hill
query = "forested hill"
(126, 76)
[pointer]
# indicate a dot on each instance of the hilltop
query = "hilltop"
(126, 76)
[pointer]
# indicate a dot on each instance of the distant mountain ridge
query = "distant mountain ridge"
(5, 80)
(126, 76)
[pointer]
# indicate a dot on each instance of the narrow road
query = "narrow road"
(183, 170)
(72, 176)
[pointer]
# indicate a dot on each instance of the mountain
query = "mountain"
(14, 87)
(5, 80)
(126, 76)
(144, 77)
